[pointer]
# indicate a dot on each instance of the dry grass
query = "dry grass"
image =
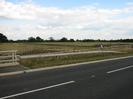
(50, 47)
(36, 48)
(62, 60)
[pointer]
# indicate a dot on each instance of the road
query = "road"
(64, 54)
(104, 80)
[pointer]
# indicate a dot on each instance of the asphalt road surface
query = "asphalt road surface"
(103, 80)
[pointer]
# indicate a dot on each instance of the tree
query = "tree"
(51, 39)
(31, 39)
(63, 39)
(38, 39)
(3, 38)
(72, 40)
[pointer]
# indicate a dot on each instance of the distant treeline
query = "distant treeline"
(3, 38)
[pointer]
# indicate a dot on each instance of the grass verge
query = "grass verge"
(69, 59)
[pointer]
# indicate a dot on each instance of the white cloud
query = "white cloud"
(89, 21)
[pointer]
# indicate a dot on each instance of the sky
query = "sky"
(77, 19)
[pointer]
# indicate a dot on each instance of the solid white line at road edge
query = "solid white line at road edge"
(36, 90)
(120, 69)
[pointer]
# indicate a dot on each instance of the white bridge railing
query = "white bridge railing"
(8, 58)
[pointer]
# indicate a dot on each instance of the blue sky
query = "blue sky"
(77, 3)
(78, 19)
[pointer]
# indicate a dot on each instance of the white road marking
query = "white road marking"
(36, 90)
(120, 69)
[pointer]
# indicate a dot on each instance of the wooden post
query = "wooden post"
(12, 57)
